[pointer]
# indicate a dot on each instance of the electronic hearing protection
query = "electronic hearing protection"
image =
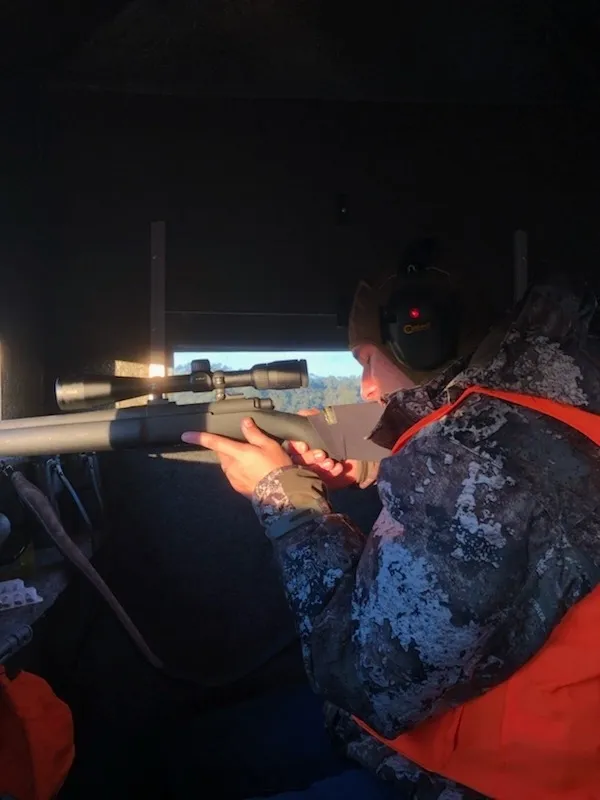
(421, 322)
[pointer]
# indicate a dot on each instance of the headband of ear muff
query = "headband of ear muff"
(421, 321)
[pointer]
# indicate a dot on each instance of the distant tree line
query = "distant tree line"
(321, 391)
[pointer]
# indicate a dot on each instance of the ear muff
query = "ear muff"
(421, 322)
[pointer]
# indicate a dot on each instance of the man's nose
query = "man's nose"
(368, 390)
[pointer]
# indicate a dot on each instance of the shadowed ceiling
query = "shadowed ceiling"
(497, 51)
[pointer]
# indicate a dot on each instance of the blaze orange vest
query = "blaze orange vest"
(36, 738)
(537, 735)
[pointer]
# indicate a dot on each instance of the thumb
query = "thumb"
(254, 435)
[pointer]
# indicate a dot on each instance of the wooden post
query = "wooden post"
(158, 356)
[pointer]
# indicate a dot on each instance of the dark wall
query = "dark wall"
(22, 265)
(251, 194)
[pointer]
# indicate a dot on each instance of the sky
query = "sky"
(337, 363)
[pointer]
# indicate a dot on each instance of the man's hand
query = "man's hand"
(335, 474)
(244, 465)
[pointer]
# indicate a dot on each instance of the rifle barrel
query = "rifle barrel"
(145, 427)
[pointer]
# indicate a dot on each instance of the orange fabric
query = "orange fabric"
(583, 421)
(36, 738)
(537, 735)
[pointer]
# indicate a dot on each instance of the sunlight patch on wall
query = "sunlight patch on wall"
(133, 369)
(156, 371)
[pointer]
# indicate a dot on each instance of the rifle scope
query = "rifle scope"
(94, 390)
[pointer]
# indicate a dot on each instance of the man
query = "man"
(461, 634)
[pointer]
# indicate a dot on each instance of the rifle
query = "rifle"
(339, 430)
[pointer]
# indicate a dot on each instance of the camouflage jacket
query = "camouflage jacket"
(489, 532)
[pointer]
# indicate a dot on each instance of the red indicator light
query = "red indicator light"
(414, 313)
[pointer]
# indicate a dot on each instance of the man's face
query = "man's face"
(381, 375)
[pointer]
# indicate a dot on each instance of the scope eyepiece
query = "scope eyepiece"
(277, 375)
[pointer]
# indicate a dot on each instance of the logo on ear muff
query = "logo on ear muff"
(409, 328)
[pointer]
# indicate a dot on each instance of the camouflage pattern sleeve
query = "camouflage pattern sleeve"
(317, 550)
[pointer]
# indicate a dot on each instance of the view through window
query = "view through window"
(334, 377)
